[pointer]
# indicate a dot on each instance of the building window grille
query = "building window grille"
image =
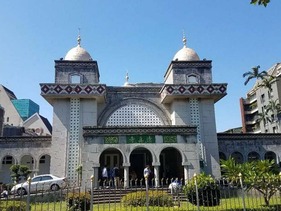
(7, 160)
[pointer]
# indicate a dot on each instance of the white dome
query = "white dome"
(186, 54)
(78, 54)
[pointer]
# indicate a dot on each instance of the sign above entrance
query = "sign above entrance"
(141, 139)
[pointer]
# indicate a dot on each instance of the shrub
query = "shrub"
(12, 205)
(156, 198)
(78, 201)
(208, 191)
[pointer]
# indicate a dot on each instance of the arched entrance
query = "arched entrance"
(5, 173)
(139, 158)
(28, 161)
(109, 158)
(44, 164)
(171, 164)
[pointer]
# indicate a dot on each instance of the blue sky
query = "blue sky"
(141, 37)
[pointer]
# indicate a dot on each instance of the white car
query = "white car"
(40, 183)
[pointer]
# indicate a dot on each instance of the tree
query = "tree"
(261, 175)
(275, 108)
(19, 171)
(263, 117)
(260, 2)
(266, 82)
(254, 74)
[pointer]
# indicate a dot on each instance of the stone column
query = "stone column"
(126, 175)
(186, 174)
(96, 177)
(156, 176)
(156, 166)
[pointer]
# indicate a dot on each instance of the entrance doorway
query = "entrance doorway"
(111, 160)
(139, 158)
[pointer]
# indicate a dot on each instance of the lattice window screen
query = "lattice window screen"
(73, 148)
(195, 120)
(134, 115)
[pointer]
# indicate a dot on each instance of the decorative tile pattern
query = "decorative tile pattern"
(169, 139)
(194, 89)
(195, 120)
(140, 130)
(134, 115)
(73, 146)
(111, 140)
(72, 89)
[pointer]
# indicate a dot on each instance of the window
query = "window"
(7, 160)
(192, 79)
(252, 156)
(8, 119)
(42, 159)
(238, 157)
(270, 156)
(262, 98)
(75, 79)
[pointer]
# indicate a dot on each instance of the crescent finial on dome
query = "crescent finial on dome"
(79, 37)
(183, 38)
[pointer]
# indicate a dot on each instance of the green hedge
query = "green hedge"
(12, 205)
(156, 198)
(78, 201)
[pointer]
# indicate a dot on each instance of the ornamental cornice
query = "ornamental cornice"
(73, 89)
(144, 89)
(59, 63)
(141, 130)
(25, 141)
(247, 136)
(207, 64)
(189, 89)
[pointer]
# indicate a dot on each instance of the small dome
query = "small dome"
(186, 54)
(78, 53)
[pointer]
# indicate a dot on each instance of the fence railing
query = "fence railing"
(141, 195)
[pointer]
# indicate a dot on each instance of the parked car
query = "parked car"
(40, 183)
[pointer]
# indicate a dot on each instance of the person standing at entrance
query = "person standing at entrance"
(146, 171)
(146, 174)
(116, 176)
(104, 175)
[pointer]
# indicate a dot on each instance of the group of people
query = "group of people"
(111, 174)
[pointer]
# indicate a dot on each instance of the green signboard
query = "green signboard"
(170, 139)
(111, 140)
(142, 139)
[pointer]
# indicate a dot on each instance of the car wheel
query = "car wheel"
(55, 187)
(21, 191)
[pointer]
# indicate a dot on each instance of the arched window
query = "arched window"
(238, 157)
(192, 79)
(75, 79)
(134, 115)
(270, 156)
(252, 156)
(222, 156)
(7, 160)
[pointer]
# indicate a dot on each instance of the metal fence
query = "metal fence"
(140, 195)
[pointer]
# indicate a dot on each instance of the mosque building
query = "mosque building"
(169, 126)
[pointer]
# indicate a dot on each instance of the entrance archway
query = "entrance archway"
(171, 164)
(44, 164)
(139, 158)
(111, 157)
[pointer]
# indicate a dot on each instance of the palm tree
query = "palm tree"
(266, 82)
(263, 117)
(273, 107)
(254, 74)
